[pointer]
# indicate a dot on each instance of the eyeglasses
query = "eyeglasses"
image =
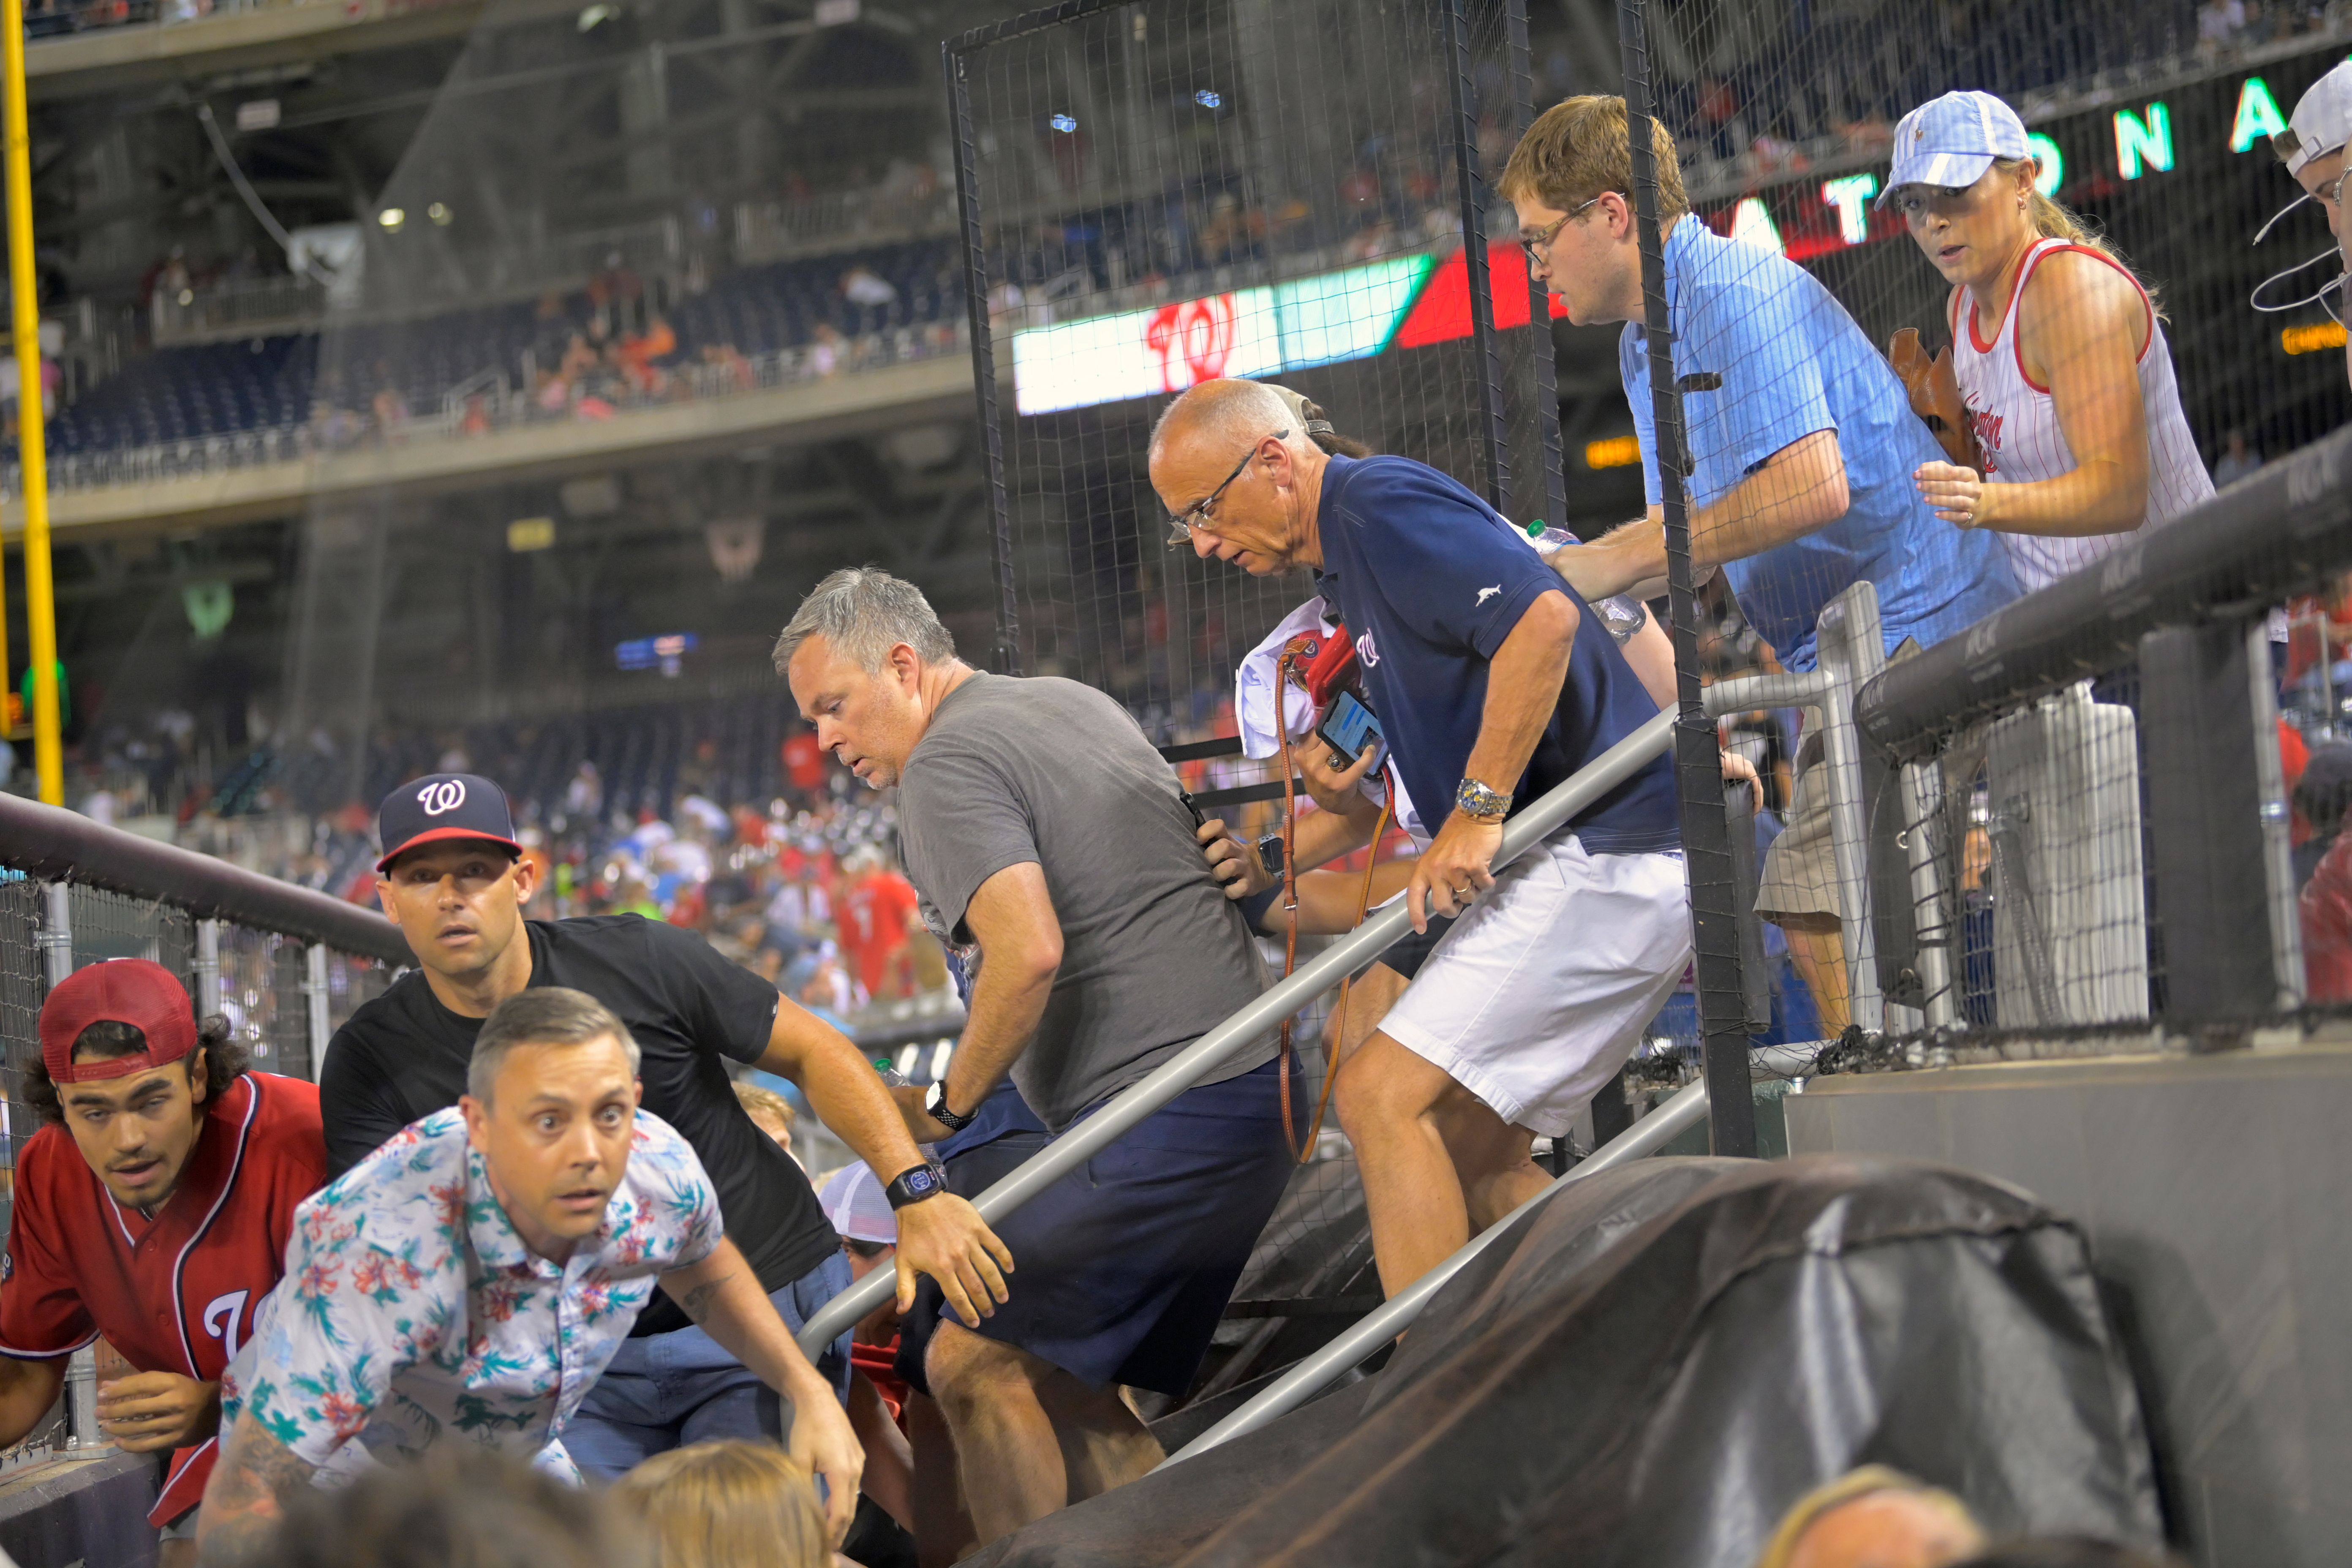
(1181, 524)
(1536, 244)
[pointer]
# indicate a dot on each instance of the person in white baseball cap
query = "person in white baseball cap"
(2313, 146)
(2073, 417)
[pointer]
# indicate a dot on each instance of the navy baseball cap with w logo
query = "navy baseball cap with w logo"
(444, 806)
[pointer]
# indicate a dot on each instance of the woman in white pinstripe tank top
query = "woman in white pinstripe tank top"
(2058, 350)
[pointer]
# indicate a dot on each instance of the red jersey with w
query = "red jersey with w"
(177, 1293)
(873, 925)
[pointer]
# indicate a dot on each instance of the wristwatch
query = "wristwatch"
(1481, 803)
(935, 1106)
(914, 1185)
(1269, 854)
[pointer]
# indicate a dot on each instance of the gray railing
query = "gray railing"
(1850, 653)
(1686, 1109)
(1265, 1011)
(284, 965)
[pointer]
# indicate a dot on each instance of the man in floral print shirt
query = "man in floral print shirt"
(469, 1280)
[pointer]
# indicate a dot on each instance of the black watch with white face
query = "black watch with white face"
(935, 1106)
(1269, 855)
(914, 1185)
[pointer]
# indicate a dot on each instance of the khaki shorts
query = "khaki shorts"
(1799, 874)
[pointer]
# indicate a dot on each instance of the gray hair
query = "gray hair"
(541, 1015)
(864, 612)
(1230, 410)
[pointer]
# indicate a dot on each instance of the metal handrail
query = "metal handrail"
(2272, 534)
(1685, 1110)
(55, 845)
(1196, 1061)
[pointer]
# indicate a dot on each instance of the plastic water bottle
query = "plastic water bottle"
(1622, 615)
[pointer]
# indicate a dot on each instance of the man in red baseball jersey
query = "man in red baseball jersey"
(876, 915)
(152, 1207)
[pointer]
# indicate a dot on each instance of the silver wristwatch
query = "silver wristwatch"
(1480, 801)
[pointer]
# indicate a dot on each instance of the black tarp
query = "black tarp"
(1659, 1362)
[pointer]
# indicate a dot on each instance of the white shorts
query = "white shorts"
(1541, 991)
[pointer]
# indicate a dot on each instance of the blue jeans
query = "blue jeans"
(666, 1391)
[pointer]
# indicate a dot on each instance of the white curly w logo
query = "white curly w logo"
(442, 796)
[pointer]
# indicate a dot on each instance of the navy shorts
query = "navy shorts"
(1122, 1268)
(669, 1391)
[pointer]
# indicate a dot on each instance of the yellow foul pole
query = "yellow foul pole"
(40, 606)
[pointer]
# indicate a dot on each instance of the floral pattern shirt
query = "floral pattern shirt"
(410, 1310)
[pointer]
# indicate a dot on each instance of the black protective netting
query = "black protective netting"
(2084, 419)
(1167, 193)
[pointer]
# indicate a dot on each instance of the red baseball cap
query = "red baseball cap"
(123, 991)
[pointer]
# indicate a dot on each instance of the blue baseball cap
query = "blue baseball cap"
(444, 806)
(1951, 141)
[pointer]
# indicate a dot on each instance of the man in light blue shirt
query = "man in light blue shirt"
(1801, 442)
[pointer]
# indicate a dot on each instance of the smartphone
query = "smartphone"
(1349, 728)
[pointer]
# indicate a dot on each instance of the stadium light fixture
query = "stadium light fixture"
(390, 219)
(2142, 141)
(1207, 98)
(2053, 173)
(439, 213)
(2258, 118)
(1065, 123)
(525, 534)
(594, 16)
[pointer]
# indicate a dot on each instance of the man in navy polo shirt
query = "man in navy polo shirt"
(1492, 682)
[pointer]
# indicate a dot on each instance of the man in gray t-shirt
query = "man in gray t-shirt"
(1041, 828)
(1153, 954)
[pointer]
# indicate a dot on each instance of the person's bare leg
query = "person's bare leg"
(1817, 948)
(889, 1474)
(944, 1528)
(1104, 1443)
(1388, 1101)
(1370, 997)
(1493, 1159)
(1007, 1454)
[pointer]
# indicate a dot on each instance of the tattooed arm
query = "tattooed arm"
(240, 1510)
(721, 1294)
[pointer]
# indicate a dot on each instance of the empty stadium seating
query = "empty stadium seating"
(189, 394)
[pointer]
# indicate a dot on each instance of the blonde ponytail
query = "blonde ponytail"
(2051, 221)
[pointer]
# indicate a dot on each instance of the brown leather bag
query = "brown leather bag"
(1936, 396)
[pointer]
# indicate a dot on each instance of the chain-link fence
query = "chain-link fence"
(283, 965)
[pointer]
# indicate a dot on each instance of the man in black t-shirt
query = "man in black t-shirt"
(453, 880)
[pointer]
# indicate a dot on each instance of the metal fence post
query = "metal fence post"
(56, 941)
(2278, 817)
(57, 933)
(1922, 806)
(208, 984)
(1852, 648)
(1698, 766)
(2208, 844)
(983, 355)
(1462, 134)
(314, 998)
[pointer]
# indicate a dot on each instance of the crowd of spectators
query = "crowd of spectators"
(789, 871)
